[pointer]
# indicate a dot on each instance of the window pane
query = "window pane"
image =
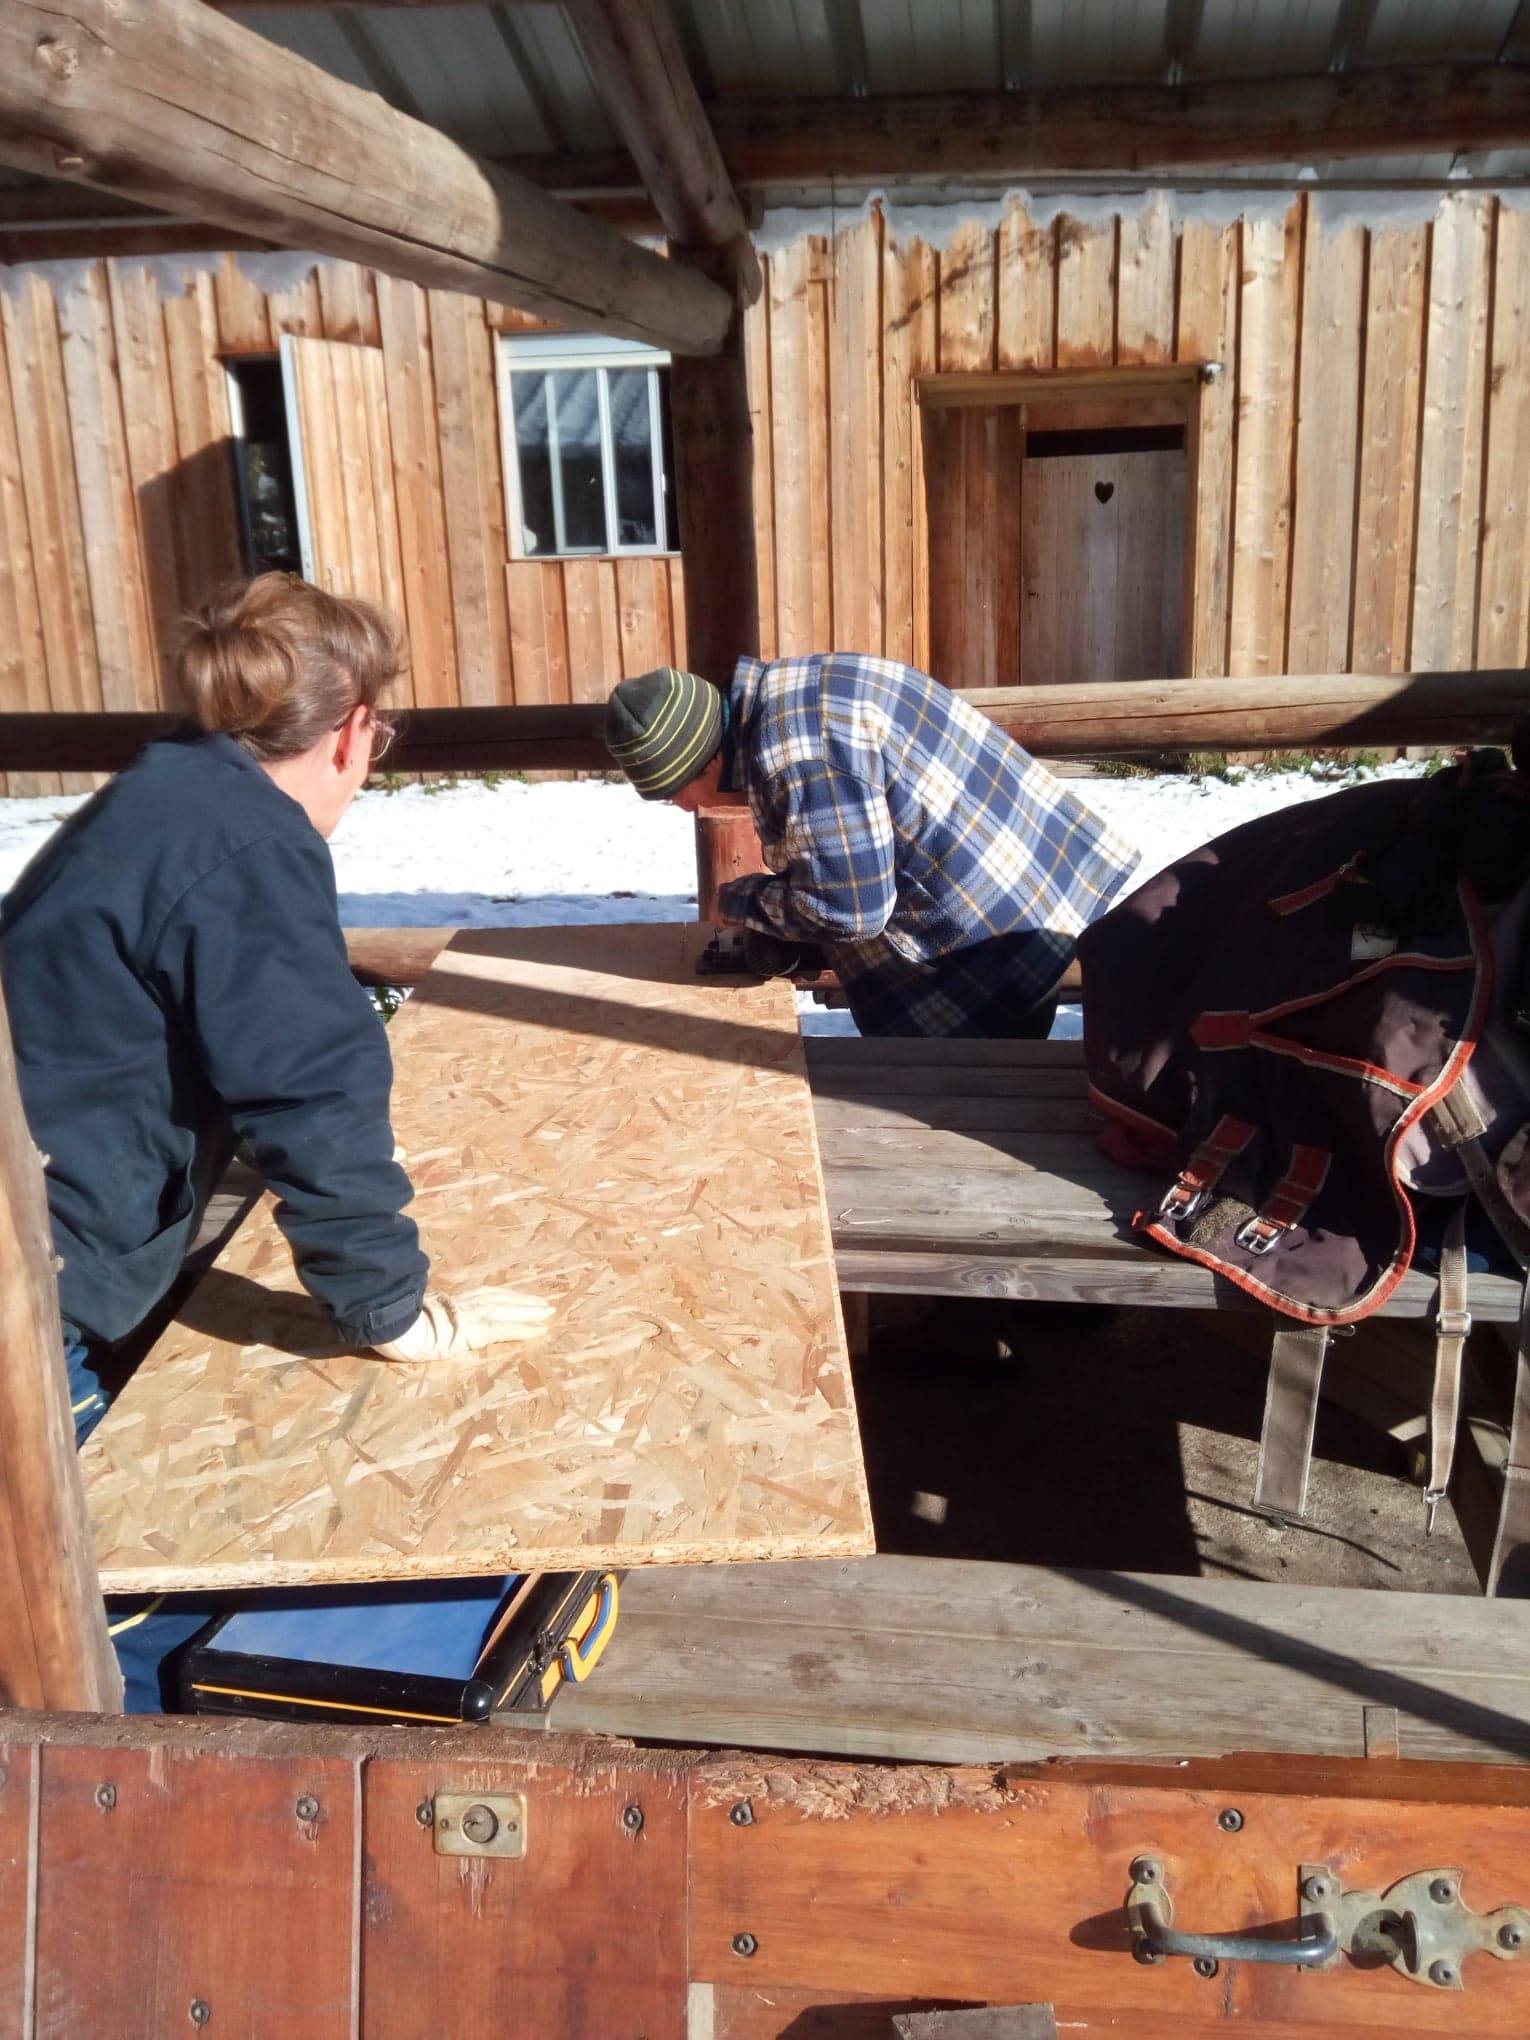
(538, 530)
(576, 394)
(632, 444)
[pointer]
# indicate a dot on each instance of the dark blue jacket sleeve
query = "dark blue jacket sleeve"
(254, 963)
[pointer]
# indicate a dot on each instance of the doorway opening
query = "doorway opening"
(263, 465)
(1059, 519)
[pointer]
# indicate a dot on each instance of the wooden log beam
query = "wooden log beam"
(1100, 719)
(54, 1649)
(1391, 110)
(634, 57)
(172, 104)
(1401, 109)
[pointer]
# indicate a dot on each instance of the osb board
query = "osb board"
(584, 1118)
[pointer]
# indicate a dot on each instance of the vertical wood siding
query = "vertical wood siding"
(1357, 485)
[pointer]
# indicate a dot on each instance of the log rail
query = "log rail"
(1342, 710)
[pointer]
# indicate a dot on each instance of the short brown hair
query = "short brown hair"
(275, 662)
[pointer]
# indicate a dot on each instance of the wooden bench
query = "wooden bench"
(969, 1168)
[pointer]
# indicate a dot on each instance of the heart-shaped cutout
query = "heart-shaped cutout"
(1104, 491)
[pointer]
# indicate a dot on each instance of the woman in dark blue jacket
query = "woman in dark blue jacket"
(177, 986)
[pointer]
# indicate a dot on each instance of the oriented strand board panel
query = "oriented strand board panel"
(585, 1118)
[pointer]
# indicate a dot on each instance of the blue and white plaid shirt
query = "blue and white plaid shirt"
(945, 872)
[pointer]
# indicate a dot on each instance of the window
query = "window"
(263, 463)
(587, 454)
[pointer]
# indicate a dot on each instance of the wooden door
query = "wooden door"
(972, 461)
(342, 468)
(1102, 556)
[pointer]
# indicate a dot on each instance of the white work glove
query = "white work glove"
(451, 1327)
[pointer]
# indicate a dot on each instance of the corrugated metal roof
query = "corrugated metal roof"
(510, 78)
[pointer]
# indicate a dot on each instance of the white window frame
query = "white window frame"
(550, 351)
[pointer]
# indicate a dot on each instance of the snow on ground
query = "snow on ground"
(518, 855)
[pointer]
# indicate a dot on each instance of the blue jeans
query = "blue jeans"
(146, 1635)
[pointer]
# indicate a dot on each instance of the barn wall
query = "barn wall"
(1359, 476)
(117, 504)
(1360, 473)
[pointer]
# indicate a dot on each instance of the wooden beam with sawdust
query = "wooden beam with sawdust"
(176, 106)
(583, 1118)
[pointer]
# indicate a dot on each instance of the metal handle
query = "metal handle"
(1317, 1943)
(581, 1654)
(1150, 1913)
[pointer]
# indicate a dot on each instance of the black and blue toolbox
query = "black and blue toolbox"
(432, 1651)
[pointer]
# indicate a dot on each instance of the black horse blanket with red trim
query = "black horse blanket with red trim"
(1269, 1022)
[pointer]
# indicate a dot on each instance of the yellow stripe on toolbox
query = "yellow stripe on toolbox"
(340, 1706)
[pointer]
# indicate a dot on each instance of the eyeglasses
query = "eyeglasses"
(383, 735)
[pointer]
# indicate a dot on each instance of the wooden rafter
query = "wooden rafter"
(1405, 110)
(173, 105)
(638, 67)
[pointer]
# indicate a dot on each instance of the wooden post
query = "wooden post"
(726, 848)
(714, 463)
(54, 1649)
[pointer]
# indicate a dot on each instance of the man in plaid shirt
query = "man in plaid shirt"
(943, 871)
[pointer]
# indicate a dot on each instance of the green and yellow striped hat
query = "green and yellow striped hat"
(663, 728)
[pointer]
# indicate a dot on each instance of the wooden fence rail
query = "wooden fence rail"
(1438, 709)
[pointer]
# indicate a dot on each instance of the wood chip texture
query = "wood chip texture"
(583, 1118)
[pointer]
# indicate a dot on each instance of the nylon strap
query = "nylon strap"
(1290, 1415)
(1452, 1325)
(1462, 1126)
(1509, 1568)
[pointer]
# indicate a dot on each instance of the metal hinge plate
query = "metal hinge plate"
(480, 1824)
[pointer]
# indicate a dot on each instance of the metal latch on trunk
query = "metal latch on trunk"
(478, 1823)
(1419, 1926)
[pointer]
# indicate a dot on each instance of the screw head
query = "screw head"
(1443, 1891)
(425, 1813)
(1229, 1820)
(1443, 1973)
(1146, 1870)
(741, 1813)
(1206, 1965)
(1511, 1935)
(744, 1944)
(1147, 1953)
(106, 1797)
(200, 2011)
(632, 1819)
(307, 1807)
(1316, 1889)
(480, 1824)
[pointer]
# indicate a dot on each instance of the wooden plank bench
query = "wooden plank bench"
(958, 1661)
(970, 1168)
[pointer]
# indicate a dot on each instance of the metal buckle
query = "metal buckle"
(1180, 1201)
(1257, 1235)
(1453, 1324)
(1433, 1497)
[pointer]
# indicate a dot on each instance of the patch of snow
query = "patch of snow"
(516, 855)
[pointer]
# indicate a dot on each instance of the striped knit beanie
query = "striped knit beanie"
(663, 728)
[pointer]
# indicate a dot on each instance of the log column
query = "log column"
(54, 1649)
(714, 463)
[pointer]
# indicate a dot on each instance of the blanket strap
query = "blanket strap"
(1290, 1413)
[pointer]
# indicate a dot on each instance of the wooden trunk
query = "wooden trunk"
(214, 1873)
